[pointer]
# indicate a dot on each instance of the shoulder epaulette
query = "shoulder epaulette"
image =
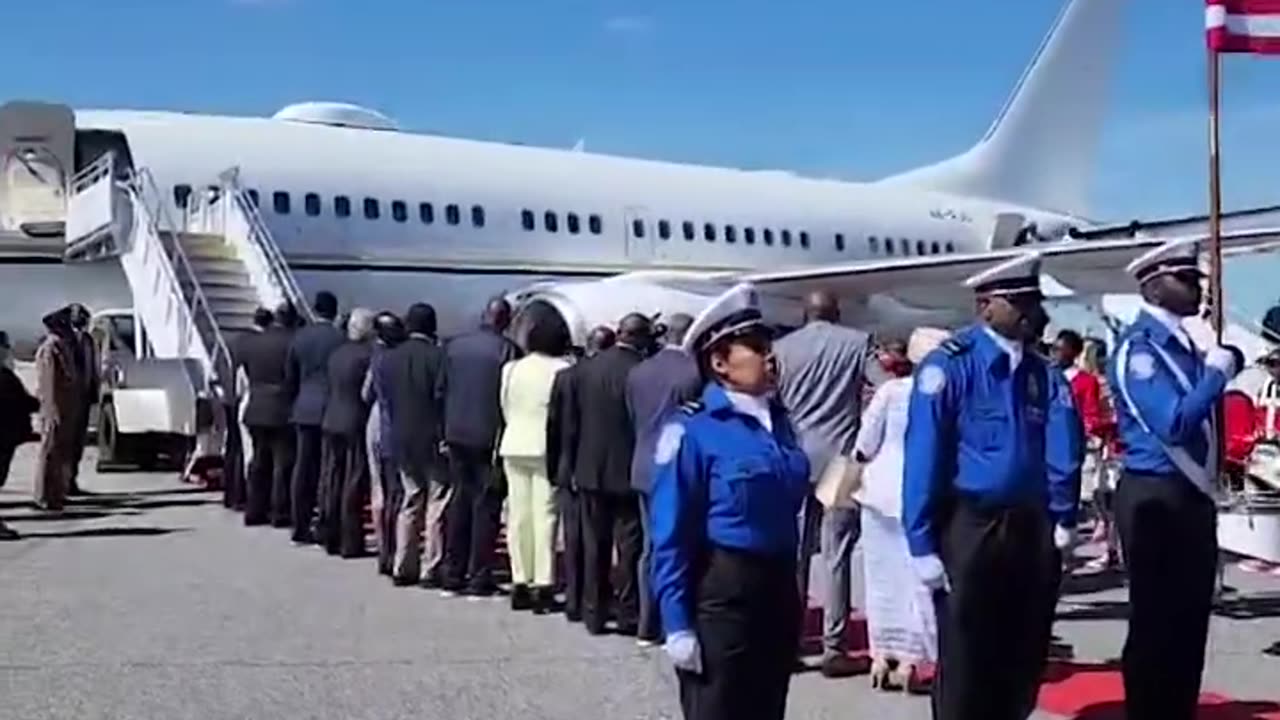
(692, 407)
(954, 346)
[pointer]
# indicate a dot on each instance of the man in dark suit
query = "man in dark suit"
(414, 370)
(307, 376)
(287, 322)
(472, 421)
(344, 480)
(88, 371)
(655, 389)
(562, 445)
(602, 470)
(261, 354)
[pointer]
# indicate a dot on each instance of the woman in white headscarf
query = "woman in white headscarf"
(900, 620)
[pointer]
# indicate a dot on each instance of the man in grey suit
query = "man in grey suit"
(821, 371)
(655, 389)
(414, 371)
(307, 376)
(344, 482)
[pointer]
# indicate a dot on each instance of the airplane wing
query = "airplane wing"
(1085, 267)
(1251, 219)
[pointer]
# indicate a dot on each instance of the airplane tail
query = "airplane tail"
(1042, 149)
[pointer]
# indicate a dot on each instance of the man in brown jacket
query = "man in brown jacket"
(59, 395)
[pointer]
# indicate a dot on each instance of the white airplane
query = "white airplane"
(385, 217)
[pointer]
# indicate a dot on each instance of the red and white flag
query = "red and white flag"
(1243, 26)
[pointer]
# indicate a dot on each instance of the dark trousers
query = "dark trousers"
(306, 480)
(995, 624)
(271, 446)
(392, 497)
(748, 623)
(470, 522)
(282, 459)
(574, 552)
(6, 460)
(1168, 530)
(233, 474)
(650, 621)
(343, 493)
(610, 518)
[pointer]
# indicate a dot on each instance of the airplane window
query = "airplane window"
(768, 236)
(342, 206)
(399, 211)
(730, 234)
(549, 221)
(709, 232)
(477, 216)
(595, 224)
(664, 229)
(840, 242)
(687, 228)
(804, 239)
(888, 246)
(637, 228)
(253, 197)
(906, 247)
(426, 213)
(934, 248)
(786, 238)
(920, 247)
(280, 201)
(452, 214)
(749, 235)
(311, 204)
(526, 219)
(571, 223)
(873, 243)
(372, 210)
(951, 247)
(181, 194)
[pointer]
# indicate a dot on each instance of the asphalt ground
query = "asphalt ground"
(149, 600)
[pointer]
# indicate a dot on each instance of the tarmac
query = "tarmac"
(149, 600)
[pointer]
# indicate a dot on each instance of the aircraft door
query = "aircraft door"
(37, 142)
(639, 232)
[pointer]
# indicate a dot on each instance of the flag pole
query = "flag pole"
(1215, 196)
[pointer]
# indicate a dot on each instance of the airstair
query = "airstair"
(196, 275)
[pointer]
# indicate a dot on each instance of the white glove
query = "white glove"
(931, 572)
(1063, 538)
(685, 652)
(1222, 359)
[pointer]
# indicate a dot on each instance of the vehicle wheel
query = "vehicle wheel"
(109, 451)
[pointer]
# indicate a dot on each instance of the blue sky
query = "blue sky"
(849, 89)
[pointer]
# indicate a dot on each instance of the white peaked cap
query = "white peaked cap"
(1174, 256)
(735, 311)
(1012, 277)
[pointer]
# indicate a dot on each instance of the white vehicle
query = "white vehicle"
(385, 217)
(149, 414)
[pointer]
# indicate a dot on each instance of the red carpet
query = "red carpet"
(1096, 692)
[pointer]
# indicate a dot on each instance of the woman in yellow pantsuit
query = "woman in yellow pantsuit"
(531, 509)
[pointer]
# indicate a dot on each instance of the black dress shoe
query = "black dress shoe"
(403, 581)
(521, 599)
(628, 630)
(254, 521)
(544, 600)
(573, 616)
(483, 590)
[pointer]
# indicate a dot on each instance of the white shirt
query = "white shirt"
(1172, 323)
(757, 406)
(882, 440)
(1010, 348)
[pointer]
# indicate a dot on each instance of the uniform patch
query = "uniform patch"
(668, 443)
(1143, 366)
(932, 379)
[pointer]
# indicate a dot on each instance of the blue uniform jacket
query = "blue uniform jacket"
(1064, 450)
(720, 479)
(382, 396)
(978, 430)
(1175, 417)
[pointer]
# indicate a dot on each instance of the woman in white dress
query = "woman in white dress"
(900, 620)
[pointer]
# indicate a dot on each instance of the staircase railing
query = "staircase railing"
(263, 243)
(90, 205)
(160, 222)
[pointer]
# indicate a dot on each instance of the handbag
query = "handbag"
(840, 482)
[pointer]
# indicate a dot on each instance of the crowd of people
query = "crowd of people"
(668, 479)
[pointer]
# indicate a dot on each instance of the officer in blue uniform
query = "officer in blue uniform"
(1166, 393)
(729, 478)
(981, 509)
